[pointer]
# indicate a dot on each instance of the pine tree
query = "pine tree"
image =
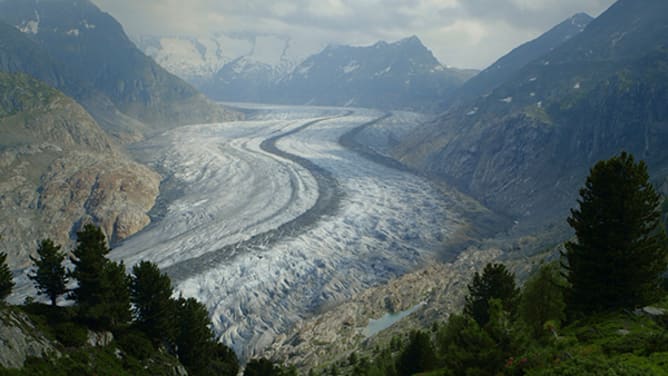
(115, 310)
(621, 247)
(89, 261)
(194, 340)
(154, 309)
(102, 293)
(49, 276)
(6, 278)
(496, 282)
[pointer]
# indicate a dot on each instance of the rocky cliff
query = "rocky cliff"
(21, 339)
(59, 169)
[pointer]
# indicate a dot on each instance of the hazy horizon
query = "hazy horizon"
(463, 34)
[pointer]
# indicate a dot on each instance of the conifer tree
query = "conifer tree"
(621, 248)
(496, 282)
(195, 338)
(49, 276)
(154, 309)
(102, 293)
(6, 278)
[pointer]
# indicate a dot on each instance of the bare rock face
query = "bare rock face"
(60, 170)
(113, 192)
(20, 340)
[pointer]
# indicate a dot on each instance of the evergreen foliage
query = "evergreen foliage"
(154, 309)
(102, 293)
(468, 348)
(621, 248)
(194, 340)
(417, 356)
(496, 282)
(542, 301)
(261, 367)
(49, 275)
(6, 278)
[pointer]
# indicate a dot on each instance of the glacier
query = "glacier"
(230, 226)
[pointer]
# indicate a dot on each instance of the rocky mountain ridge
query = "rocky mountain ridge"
(525, 148)
(400, 75)
(504, 68)
(84, 52)
(403, 74)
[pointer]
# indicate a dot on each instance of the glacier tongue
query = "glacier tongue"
(221, 188)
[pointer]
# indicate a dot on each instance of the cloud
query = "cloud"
(464, 33)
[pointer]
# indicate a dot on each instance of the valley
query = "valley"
(242, 228)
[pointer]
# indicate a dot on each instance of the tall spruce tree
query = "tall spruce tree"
(6, 278)
(102, 293)
(496, 282)
(154, 309)
(194, 340)
(49, 275)
(621, 248)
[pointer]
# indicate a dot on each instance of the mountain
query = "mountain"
(98, 54)
(252, 76)
(59, 169)
(222, 66)
(404, 74)
(525, 148)
(504, 68)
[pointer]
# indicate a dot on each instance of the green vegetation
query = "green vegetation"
(621, 247)
(20, 92)
(151, 296)
(102, 292)
(494, 283)
(164, 334)
(50, 276)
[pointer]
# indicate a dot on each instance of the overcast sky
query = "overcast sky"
(461, 33)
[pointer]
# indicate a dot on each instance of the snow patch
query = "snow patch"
(303, 70)
(73, 32)
(532, 79)
(384, 71)
(30, 26)
(351, 67)
(576, 86)
(472, 112)
(506, 100)
(88, 25)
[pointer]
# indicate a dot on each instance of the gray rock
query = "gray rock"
(19, 339)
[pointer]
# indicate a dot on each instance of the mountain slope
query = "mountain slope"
(504, 68)
(525, 148)
(59, 169)
(404, 75)
(93, 45)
